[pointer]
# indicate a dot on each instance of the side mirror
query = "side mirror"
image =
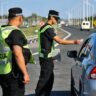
(72, 54)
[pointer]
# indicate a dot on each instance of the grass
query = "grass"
(56, 27)
(31, 30)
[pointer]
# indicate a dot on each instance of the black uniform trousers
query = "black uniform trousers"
(46, 78)
(11, 86)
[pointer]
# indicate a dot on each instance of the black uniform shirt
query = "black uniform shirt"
(15, 38)
(46, 39)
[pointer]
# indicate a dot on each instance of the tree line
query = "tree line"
(33, 16)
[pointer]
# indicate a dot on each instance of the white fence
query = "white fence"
(32, 39)
(3, 21)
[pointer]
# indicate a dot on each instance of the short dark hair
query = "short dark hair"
(53, 13)
(14, 12)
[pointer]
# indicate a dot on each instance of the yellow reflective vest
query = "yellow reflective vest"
(6, 52)
(39, 40)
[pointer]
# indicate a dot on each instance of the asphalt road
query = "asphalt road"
(62, 69)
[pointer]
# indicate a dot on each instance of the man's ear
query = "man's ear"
(20, 18)
(52, 17)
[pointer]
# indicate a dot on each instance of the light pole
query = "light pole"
(79, 16)
(1, 10)
(92, 13)
(73, 17)
(87, 9)
(83, 9)
(68, 18)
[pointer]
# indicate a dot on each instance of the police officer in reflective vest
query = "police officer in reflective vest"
(46, 46)
(14, 55)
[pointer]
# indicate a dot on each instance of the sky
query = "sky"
(41, 7)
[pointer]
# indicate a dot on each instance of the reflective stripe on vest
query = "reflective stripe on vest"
(5, 62)
(9, 28)
(39, 33)
(5, 51)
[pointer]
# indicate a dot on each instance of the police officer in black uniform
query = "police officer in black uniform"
(46, 37)
(13, 83)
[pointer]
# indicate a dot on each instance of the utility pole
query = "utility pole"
(83, 9)
(73, 18)
(85, 5)
(89, 12)
(87, 9)
(80, 16)
(1, 11)
(68, 18)
(92, 15)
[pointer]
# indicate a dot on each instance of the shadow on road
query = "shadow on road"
(56, 93)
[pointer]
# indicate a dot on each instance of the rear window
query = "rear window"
(87, 23)
(83, 23)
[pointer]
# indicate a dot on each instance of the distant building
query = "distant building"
(3, 21)
(34, 21)
(62, 22)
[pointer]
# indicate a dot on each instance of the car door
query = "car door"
(86, 62)
(77, 68)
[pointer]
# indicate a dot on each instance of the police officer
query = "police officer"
(14, 54)
(46, 45)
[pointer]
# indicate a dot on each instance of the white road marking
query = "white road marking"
(35, 53)
(69, 34)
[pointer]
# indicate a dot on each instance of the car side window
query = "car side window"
(88, 49)
(84, 50)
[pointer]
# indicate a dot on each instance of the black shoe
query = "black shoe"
(47, 94)
(37, 95)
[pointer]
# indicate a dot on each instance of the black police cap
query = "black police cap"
(13, 12)
(54, 14)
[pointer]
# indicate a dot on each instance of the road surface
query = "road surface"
(62, 69)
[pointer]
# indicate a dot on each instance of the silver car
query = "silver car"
(83, 73)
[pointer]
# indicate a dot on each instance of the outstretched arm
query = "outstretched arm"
(61, 41)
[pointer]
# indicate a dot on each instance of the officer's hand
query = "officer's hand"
(79, 42)
(26, 79)
(54, 61)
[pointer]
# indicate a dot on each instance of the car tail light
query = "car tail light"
(92, 74)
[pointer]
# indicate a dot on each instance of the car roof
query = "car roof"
(93, 35)
(85, 21)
